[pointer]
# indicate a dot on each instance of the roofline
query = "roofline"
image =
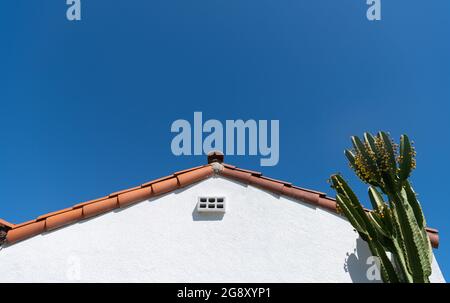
(177, 180)
(6, 224)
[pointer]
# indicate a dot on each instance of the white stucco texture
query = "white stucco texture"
(261, 238)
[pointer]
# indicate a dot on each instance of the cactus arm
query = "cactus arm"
(405, 165)
(341, 186)
(378, 225)
(400, 260)
(389, 165)
(352, 202)
(417, 258)
(371, 145)
(415, 205)
(400, 249)
(418, 213)
(387, 269)
(370, 171)
(353, 216)
(350, 157)
(387, 145)
(375, 198)
(387, 217)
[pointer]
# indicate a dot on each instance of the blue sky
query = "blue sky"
(86, 107)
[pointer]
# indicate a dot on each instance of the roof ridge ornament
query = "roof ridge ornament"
(217, 167)
(215, 156)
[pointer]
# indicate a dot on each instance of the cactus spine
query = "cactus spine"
(396, 225)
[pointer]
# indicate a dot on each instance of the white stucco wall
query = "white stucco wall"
(261, 238)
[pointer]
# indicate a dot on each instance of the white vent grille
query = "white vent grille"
(211, 204)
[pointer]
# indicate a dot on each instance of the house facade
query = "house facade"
(212, 223)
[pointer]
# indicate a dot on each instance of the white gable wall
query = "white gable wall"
(261, 238)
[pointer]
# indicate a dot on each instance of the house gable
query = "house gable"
(181, 179)
(262, 237)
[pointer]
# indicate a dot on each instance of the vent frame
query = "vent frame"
(211, 204)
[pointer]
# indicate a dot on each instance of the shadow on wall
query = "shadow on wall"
(196, 216)
(356, 263)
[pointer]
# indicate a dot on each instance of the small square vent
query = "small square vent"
(211, 204)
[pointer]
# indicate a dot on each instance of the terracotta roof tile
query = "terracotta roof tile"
(236, 174)
(52, 214)
(434, 238)
(164, 185)
(135, 196)
(277, 181)
(301, 195)
(432, 230)
(311, 191)
(6, 223)
(327, 203)
(25, 231)
(266, 184)
(115, 194)
(188, 170)
(228, 165)
(100, 207)
(25, 223)
(89, 202)
(190, 177)
(157, 180)
(63, 219)
(254, 173)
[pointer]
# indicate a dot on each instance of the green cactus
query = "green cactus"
(396, 225)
